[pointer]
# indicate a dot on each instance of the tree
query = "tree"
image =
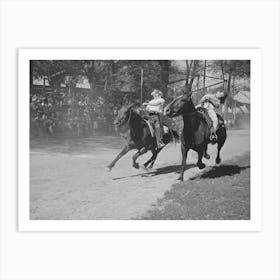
(164, 72)
(191, 73)
(55, 71)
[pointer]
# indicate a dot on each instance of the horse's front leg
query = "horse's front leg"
(206, 155)
(184, 152)
(135, 156)
(201, 152)
(221, 140)
(122, 153)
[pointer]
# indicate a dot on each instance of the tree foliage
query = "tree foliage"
(106, 78)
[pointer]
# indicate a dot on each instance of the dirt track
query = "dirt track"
(68, 180)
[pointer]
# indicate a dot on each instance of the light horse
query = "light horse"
(196, 131)
(138, 136)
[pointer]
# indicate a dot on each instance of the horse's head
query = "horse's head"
(124, 114)
(180, 105)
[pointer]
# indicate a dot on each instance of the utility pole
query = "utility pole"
(141, 85)
(204, 77)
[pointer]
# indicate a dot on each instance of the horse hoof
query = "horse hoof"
(207, 156)
(201, 165)
(108, 169)
(218, 160)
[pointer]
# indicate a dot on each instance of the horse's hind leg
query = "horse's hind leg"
(184, 152)
(135, 156)
(221, 141)
(151, 161)
(154, 155)
(200, 152)
(206, 155)
(218, 159)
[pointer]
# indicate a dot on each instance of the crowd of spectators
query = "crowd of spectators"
(71, 115)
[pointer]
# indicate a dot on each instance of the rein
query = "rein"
(129, 116)
(189, 114)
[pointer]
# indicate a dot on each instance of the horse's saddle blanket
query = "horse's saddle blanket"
(165, 128)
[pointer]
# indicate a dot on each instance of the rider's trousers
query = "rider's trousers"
(212, 114)
(154, 119)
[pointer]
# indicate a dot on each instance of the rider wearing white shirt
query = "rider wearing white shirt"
(156, 104)
(210, 102)
(155, 108)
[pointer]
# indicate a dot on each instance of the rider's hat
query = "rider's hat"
(156, 91)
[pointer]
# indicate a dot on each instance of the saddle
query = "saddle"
(166, 123)
(152, 130)
(204, 114)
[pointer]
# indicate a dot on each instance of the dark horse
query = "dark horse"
(138, 136)
(196, 132)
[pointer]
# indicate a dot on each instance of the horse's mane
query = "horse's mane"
(136, 132)
(177, 97)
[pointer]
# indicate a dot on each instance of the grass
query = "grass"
(219, 193)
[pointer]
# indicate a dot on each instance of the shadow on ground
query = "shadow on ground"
(215, 172)
(221, 171)
(159, 171)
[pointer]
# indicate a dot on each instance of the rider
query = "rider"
(155, 108)
(210, 102)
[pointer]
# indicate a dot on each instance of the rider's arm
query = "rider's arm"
(155, 102)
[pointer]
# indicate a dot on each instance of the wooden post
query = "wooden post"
(229, 94)
(204, 77)
(44, 85)
(197, 96)
(234, 112)
(232, 95)
(141, 86)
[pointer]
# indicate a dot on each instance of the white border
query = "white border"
(255, 224)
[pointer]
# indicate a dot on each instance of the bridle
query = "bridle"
(186, 114)
(129, 118)
(130, 109)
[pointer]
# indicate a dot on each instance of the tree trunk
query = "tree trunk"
(197, 95)
(190, 75)
(224, 87)
(31, 74)
(223, 73)
(164, 73)
(91, 75)
(204, 78)
(187, 75)
(228, 93)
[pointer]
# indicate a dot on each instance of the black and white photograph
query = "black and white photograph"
(123, 139)
(140, 139)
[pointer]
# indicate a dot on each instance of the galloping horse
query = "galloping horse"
(138, 136)
(196, 132)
